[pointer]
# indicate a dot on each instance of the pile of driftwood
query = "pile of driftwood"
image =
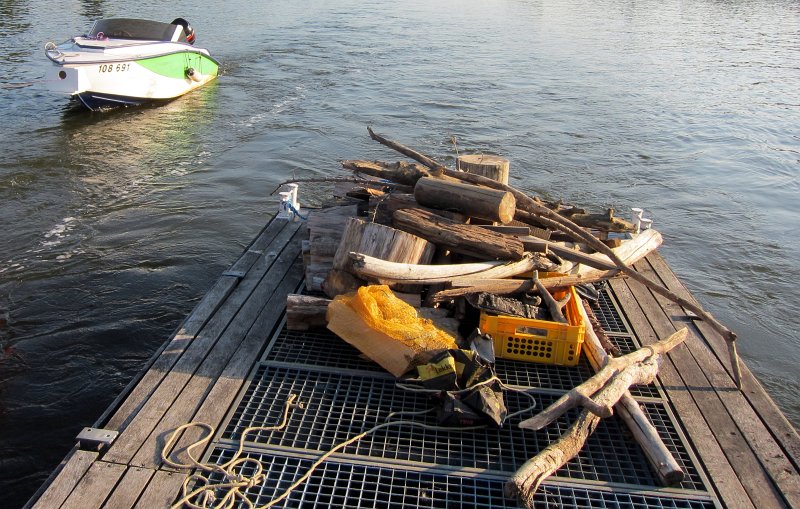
(437, 236)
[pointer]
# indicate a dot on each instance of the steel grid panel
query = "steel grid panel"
(337, 484)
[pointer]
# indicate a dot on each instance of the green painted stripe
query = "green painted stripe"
(175, 64)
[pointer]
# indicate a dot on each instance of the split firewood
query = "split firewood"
(615, 365)
(550, 218)
(552, 304)
(470, 240)
(371, 268)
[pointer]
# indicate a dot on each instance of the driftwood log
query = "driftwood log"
(664, 464)
(551, 218)
(375, 269)
(470, 240)
(376, 240)
(552, 304)
(631, 251)
(604, 389)
(490, 166)
(471, 200)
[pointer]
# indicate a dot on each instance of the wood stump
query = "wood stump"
(376, 240)
(490, 166)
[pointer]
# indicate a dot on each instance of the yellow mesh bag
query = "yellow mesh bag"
(382, 311)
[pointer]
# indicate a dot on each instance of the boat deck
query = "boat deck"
(232, 364)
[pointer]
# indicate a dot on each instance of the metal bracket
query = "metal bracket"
(235, 273)
(95, 439)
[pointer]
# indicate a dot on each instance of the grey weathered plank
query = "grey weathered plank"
(75, 466)
(151, 413)
(722, 477)
(761, 438)
(692, 361)
(94, 487)
(162, 490)
(129, 488)
(261, 244)
(223, 393)
(272, 291)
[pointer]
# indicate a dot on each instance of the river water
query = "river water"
(115, 224)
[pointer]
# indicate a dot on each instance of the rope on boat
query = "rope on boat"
(232, 490)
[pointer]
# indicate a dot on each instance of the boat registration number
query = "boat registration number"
(114, 67)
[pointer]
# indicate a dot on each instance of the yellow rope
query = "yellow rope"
(235, 483)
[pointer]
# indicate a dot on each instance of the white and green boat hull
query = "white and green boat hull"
(127, 75)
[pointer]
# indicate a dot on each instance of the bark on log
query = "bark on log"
(368, 267)
(664, 464)
(304, 312)
(474, 201)
(465, 239)
(384, 208)
(376, 240)
(490, 166)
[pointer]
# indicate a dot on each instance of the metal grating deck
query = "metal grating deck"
(344, 394)
(340, 484)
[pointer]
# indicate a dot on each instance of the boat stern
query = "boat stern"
(67, 80)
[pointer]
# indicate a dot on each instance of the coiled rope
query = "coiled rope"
(205, 495)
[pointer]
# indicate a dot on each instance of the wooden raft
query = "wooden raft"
(745, 448)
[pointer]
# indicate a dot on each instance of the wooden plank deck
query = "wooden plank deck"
(746, 450)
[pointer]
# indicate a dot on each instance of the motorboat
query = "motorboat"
(126, 62)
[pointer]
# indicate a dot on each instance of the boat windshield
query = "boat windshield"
(122, 28)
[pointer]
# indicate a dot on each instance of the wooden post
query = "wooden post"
(376, 240)
(470, 200)
(490, 166)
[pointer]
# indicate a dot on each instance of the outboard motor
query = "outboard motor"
(187, 28)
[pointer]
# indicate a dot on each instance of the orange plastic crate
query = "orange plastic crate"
(542, 341)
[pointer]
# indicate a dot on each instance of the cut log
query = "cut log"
(474, 201)
(376, 240)
(304, 312)
(465, 239)
(490, 166)
(384, 208)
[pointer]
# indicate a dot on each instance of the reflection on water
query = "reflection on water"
(94, 9)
